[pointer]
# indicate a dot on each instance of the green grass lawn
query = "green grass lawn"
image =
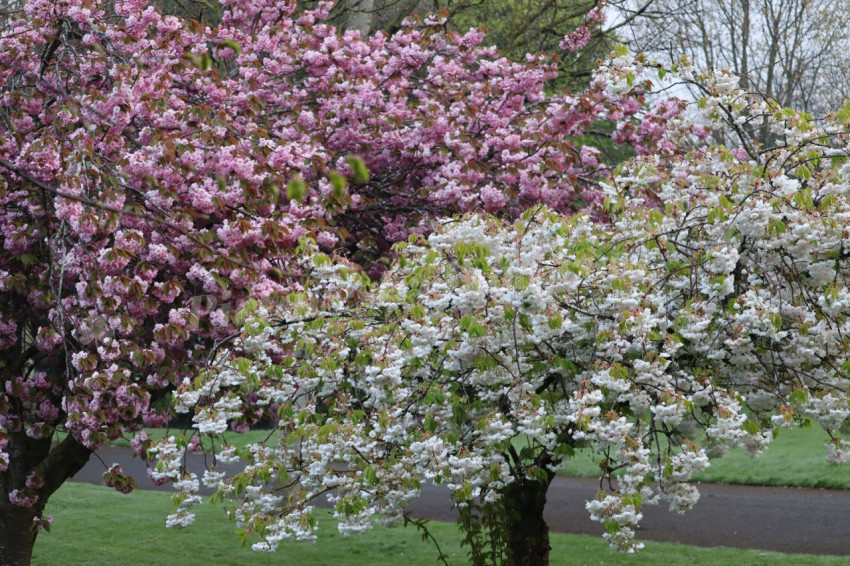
(96, 525)
(238, 440)
(796, 457)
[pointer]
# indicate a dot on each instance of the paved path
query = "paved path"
(811, 521)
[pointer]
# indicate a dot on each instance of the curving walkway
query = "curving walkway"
(810, 521)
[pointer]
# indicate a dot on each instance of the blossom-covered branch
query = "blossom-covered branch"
(711, 313)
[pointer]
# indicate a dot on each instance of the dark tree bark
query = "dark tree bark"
(528, 533)
(17, 535)
(54, 465)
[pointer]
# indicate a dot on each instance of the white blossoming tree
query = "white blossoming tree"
(710, 313)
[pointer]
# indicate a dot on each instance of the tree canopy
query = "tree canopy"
(156, 174)
(790, 50)
(709, 313)
(399, 249)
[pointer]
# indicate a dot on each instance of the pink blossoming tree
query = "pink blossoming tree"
(156, 174)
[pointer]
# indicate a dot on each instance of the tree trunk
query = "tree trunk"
(362, 16)
(17, 535)
(37, 458)
(528, 533)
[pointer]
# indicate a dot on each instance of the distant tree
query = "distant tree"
(794, 51)
(206, 11)
(515, 27)
(518, 27)
(370, 16)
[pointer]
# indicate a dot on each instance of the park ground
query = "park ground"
(758, 520)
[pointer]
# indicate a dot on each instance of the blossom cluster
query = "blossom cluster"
(161, 180)
(578, 38)
(156, 173)
(710, 313)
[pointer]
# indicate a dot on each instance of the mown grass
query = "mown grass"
(795, 458)
(238, 440)
(98, 526)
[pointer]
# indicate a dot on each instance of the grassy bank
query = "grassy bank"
(238, 440)
(98, 526)
(796, 457)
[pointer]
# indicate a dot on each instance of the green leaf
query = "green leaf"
(296, 189)
(799, 396)
(521, 283)
(370, 475)
(359, 172)
(27, 259)
(471, 326)
(202, 61)
(484, 363)
(655, 217)
(231, 44)
(338, 183)
(617, 371)
(776, 226)
(750, 427)
(273, 191)
(430, 423)
(732, 233)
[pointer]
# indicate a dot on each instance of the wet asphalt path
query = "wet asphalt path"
(810, 521)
